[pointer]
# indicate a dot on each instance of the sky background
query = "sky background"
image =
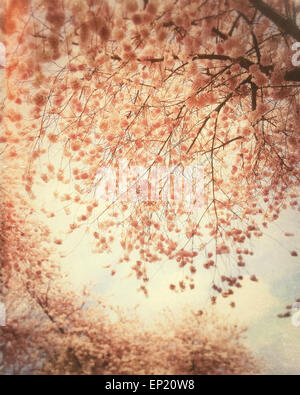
(276, 341)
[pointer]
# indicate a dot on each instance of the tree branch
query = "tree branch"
(287, 25)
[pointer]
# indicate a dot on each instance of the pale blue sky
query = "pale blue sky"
(258, 304)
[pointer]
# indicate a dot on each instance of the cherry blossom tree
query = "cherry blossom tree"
(175, 84)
